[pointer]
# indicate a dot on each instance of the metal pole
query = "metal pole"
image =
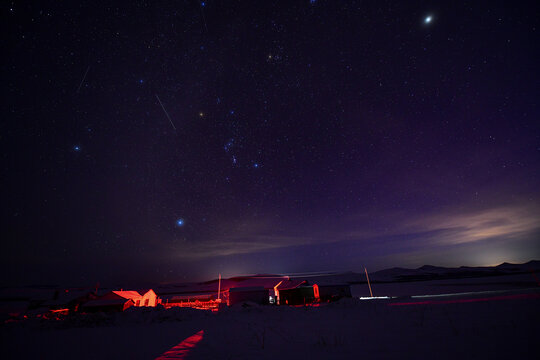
(219, 288)
(367, 277)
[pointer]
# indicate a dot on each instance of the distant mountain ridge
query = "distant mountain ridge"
(396, 274)
(430, 272)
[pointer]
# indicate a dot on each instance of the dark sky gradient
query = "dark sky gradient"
(310, 136)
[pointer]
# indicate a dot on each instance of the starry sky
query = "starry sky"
(174, 140)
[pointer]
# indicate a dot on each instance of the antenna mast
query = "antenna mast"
(219, 288)
(367, 277)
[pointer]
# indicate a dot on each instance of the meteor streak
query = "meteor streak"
(166, 113)
(84, 77)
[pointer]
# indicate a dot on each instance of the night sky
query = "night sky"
(161, 141)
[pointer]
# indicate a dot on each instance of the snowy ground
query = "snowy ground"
(488, 283)
(495, 323)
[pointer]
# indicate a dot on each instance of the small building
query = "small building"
(255, 294)
(149, 298)
(107, 305)
(70, 299)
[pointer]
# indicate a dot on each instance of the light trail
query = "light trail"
(460, 301)
(470, 293)
(374, 297)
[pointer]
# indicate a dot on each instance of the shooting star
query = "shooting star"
(84, 77)
(166, 113)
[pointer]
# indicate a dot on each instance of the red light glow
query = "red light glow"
(181, 351)
(316, 291)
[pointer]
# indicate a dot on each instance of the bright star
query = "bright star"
(77, 148)
(141, 81)
(428, 19)
(180, 222)
(255, 165)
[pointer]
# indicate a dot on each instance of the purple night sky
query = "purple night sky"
(171, 140)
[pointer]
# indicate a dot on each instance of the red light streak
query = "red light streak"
(536, 278)
(459, 301)
(181, 351)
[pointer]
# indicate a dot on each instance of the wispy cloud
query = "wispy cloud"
(498, 222)
(399, 232)
(234, 246)
(244, 239)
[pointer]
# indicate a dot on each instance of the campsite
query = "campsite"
(482, 316)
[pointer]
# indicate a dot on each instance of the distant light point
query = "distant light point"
(180, 222)
(428, 19)
(201, 114)
(141, 81)
(256, 165)
(77, 148)
(203, 4)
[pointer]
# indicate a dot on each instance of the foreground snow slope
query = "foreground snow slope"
(502, 326)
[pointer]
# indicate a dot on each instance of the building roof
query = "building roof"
(143, 292)
(128, 294)
(290, 284)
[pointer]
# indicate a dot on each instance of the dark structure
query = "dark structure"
(107, 305)
(113, 301)
(69, 299)
(300, 295)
